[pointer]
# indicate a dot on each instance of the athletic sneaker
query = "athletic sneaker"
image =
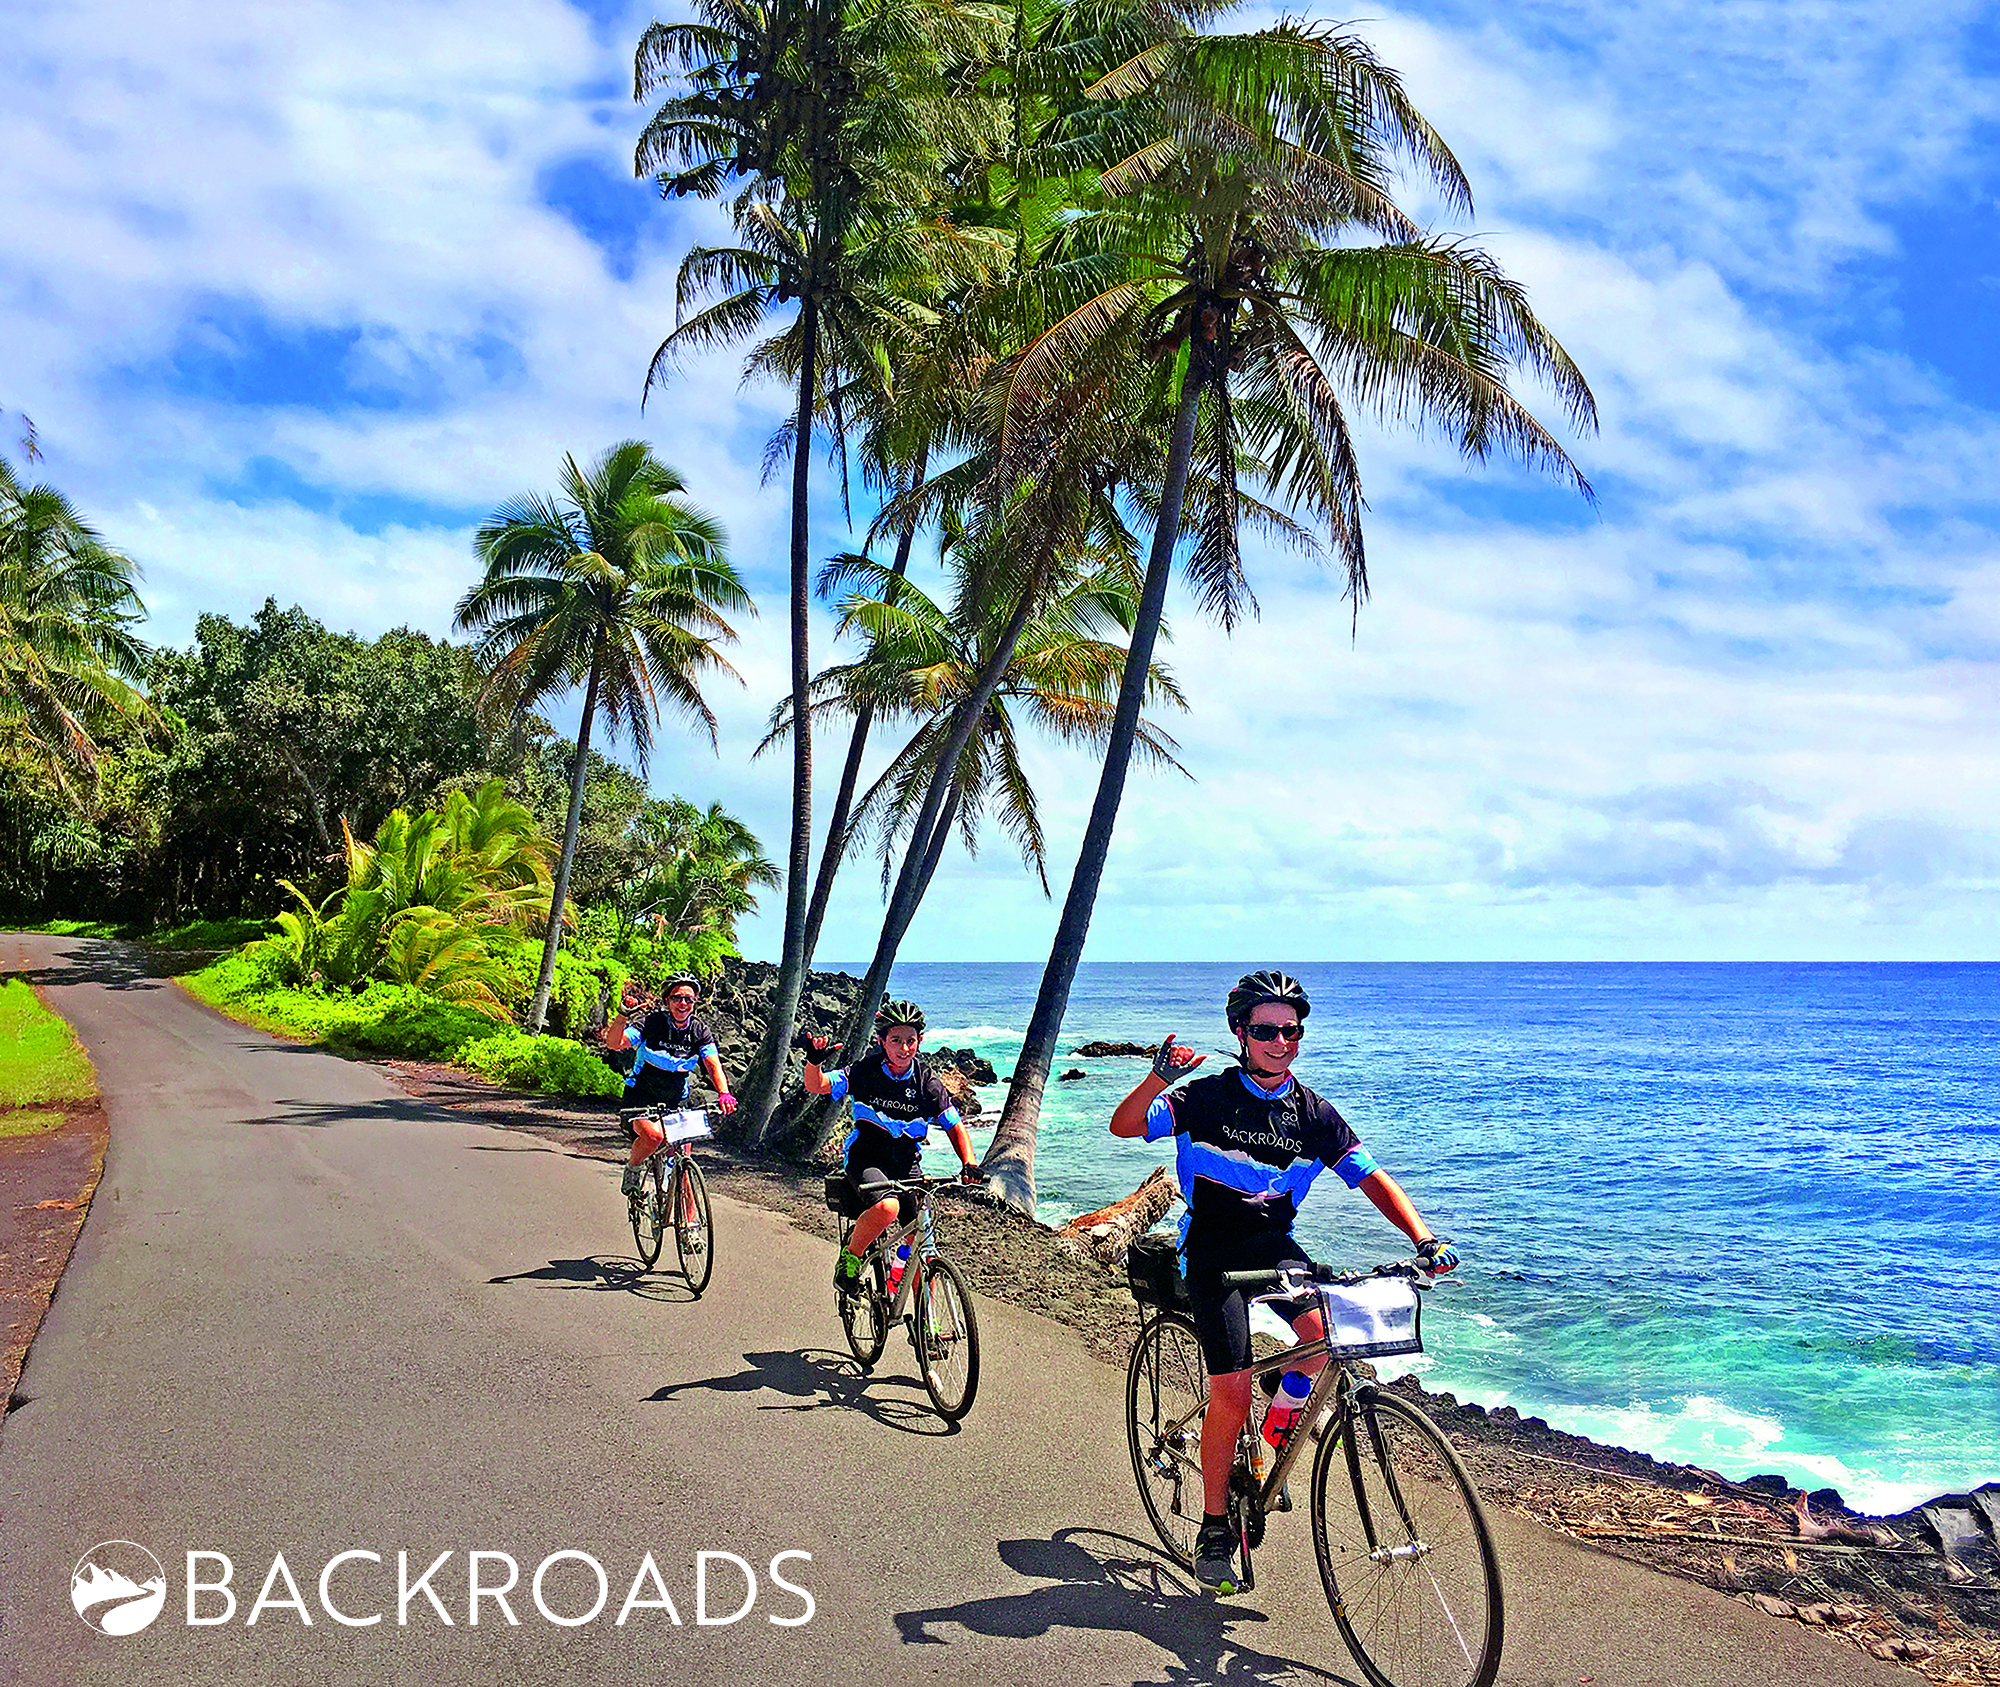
(1215, 1557)
(847, 1273)
(635, 1182)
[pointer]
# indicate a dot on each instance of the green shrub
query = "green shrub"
(552, 1065)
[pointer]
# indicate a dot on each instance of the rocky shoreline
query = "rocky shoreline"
(1922, 1588)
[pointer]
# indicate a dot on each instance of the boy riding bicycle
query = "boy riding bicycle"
(668, 1046)
(896, 1099)
(1248, 1145)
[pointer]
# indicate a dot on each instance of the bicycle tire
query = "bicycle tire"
(649, 1215)
(864, 1317)
(1166, 1399)
(1433, 1614)
(694, 1225)
(945, 1333)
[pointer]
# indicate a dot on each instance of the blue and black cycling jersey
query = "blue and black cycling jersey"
(1245, 1157)
(893, 1112)
(665, 1056)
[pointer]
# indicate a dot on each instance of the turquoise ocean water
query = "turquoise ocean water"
(1743, 1216)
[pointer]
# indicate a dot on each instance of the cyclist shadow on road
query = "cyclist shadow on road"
(1119, 1586)
(814, 1381)
(608, 1273)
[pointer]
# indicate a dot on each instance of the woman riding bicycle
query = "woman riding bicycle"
(668, 1046)
(1248, 1145)
(896, 1099)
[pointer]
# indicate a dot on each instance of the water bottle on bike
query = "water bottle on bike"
(1286, 1408)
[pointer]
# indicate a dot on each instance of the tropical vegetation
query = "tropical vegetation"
(1070, 293)
(618, 585)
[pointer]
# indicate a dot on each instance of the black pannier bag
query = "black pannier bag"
(836, 1190)
(1153, 1268)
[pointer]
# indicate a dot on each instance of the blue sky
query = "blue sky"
(296, 298)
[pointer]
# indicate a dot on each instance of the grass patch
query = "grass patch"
(401, 1023)
(40, 1058)
(28, 1121)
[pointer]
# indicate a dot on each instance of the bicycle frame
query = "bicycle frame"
(922, 1235)
(1332, 1376)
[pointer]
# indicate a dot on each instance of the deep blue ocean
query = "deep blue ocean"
(1742, 1216)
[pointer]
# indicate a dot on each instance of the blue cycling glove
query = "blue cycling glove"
(1437, 1254)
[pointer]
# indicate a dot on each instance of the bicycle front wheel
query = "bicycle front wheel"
(1404, 1550)
(946, 1336)
(1166, 1398)
(864, 1315)
(694, 1228)
(649, 1214)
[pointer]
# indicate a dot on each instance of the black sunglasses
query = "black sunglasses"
(1271, 1033)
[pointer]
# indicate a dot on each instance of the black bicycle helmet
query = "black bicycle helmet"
(672, 984)
(898, 1013)
(1253, 989)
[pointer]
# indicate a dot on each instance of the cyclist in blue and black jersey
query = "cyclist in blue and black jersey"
(1248, 1145)
(669, 1046)
(896, 1099)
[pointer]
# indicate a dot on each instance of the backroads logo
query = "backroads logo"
(118, 1587)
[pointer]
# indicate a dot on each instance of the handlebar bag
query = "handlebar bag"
(1374, 1318)
(685, 1125)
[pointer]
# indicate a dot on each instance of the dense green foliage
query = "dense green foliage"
(399, 1021)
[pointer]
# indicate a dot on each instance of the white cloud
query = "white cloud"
(1744, 707)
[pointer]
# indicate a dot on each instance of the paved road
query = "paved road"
(309, 1315)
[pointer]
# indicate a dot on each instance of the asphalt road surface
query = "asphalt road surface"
(310, 1316)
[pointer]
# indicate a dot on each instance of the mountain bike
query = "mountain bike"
(930, 1298)
(1404, 1550)
(673, 1194)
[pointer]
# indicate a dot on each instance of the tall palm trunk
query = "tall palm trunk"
(1011, 1159)
(539, 1007)
(913, 881)
(834, 851)
(770, 1069)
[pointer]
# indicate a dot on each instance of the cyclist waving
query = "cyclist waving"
(1248, 1146)
(896, 1099)
(668, 1046)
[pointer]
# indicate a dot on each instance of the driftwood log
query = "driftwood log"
(1105, 1234)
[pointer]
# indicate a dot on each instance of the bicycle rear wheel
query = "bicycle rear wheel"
(1404, 1550)
(1166, 1397)
(694, 1228)
(864, 1316)
(946, 1336)
(649, 1214)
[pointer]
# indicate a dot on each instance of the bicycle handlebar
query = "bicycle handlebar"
(932, 1186)
(1311, 1272)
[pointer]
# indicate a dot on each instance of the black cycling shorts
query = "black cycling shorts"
(1222, 1315)
(860, 1179)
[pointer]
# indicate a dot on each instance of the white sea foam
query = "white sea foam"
(1702, 1430)
(978, 1033)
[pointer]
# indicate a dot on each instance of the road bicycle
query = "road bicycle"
(1404, 1550)
(673, 1194)
(930, 1297)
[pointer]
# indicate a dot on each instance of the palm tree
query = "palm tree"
(697, 869)
(618, 585)
(69, 662)
(832, 117)
(1236, 163)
